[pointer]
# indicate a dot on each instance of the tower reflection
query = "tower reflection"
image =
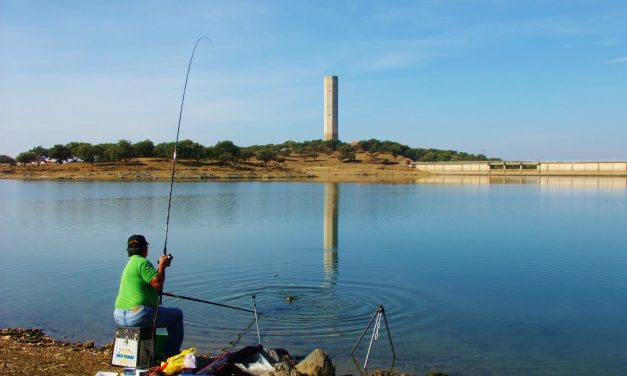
(329, 243)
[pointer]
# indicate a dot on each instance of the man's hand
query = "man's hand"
(157, 281)
(164, 260)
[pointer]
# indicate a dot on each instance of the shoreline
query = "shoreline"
(29, 351)
(325, 169)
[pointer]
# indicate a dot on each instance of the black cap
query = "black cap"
(136, 242)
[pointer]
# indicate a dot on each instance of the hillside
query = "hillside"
(325, 167)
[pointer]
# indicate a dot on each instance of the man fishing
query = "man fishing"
(137, 303)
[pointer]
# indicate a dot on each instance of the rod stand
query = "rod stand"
(376, 318)
(256, 321)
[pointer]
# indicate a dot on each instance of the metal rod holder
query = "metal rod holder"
(376, 318)
(256, 321)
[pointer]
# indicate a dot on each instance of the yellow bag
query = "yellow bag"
(176, 363)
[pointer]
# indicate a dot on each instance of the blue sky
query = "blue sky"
(521, 80)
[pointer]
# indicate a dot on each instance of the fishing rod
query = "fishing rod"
(174, 158)
(167, 221)
(208, 302)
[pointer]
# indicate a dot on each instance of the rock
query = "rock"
(317, 363)
(280, 355)
(284, 369)
(388, 373)
(89, 344)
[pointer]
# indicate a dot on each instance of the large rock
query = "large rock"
(317, 363)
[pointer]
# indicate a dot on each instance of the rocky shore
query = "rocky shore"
(32, 352)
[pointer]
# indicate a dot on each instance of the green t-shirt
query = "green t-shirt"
(135, 288)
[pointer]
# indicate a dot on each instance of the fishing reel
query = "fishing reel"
(170, 257)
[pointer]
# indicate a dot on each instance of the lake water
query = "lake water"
(477, 276)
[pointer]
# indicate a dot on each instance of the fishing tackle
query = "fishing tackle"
(378, 314)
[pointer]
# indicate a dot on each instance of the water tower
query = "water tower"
(330, 108)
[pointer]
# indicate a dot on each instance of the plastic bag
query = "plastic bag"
(190, 360)
(177, 362)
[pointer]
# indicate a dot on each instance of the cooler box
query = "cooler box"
(133, 347)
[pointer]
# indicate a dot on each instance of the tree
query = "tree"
(164, 150)
(429, 156)
(395, 149)
(347, 153)
(284, 152)
(60, 152)
(6, 159)
(73, 148)
(209, 153)
(291, 147)
(144, 149)
(373, 156)
(227, 147)
(126, 150)
(188, 149)
(197, 152)
(313, 154)
(246, 154)
(226, 157)
(99, 150)
(26, 157)
(298, 149)
(372, 145)
(86, 152)
(265, 155)
(443, 155)
(332, 145)
(184, 149)
(112, 153)
(40, 153)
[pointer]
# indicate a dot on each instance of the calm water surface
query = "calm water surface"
(478, 277)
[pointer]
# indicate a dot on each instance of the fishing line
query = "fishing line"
(239, 336)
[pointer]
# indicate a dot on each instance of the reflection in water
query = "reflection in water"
(331, 198)
(544, 181)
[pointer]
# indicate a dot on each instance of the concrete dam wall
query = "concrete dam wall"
(524, 168)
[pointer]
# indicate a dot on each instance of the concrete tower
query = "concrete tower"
(330, 108)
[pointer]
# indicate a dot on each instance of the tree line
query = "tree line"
(227, 152)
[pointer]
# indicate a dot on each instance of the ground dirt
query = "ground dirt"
(324, 168)
(31, 352)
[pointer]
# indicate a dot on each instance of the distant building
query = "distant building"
(330, 108)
